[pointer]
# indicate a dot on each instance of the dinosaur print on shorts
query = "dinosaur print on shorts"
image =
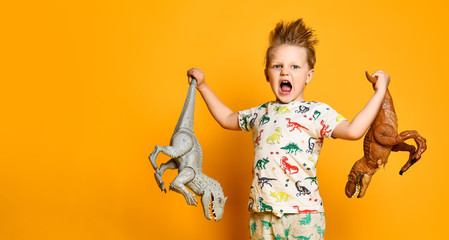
(287, 141)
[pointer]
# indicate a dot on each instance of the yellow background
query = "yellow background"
(88, 88)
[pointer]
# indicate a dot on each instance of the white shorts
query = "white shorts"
(304, 226)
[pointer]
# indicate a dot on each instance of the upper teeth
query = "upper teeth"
(357, 189)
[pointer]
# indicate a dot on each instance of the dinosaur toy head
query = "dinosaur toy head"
(213, 201)
(358, 180)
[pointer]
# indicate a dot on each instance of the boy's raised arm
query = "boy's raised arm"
(222, 113)
(359, 125)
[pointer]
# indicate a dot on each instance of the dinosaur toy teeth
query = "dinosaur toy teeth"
(357, 190)
(212, 214)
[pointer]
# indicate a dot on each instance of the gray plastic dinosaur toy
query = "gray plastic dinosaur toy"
(187, 157)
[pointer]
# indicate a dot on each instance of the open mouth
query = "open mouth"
(211, 208)
(286, 87)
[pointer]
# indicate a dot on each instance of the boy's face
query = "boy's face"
(288, 73)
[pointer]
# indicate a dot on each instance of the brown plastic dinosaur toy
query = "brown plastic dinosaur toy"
(382, 138)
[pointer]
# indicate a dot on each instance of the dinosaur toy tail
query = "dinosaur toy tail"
(373, 80)
(186, 118)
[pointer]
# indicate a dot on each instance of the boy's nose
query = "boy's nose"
(284, 72)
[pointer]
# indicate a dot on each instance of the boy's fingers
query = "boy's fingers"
(190, 73)
(195, 73)
(378, 73)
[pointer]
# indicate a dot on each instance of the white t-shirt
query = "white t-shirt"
(287, 141)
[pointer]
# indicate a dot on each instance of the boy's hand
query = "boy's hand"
(198, 74)
(383, 79)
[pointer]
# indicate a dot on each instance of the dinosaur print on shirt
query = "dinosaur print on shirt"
(291, 148)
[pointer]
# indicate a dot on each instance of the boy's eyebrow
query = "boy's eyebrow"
(289, 63)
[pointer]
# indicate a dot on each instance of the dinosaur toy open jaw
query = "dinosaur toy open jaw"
(208, 205)
(357, 184)
(213, 205)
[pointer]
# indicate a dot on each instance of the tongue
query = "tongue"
(286, 88)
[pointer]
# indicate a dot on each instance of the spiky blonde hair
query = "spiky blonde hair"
(295, 34)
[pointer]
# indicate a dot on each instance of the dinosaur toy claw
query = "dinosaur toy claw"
(159, 181)
(407, 165)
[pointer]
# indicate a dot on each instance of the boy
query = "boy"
(288, 133)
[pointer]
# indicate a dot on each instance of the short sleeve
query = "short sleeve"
(326, 120)
(244, 121)
(248, 117)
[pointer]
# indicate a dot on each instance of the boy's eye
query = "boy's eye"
(295, 67)
(277, 66)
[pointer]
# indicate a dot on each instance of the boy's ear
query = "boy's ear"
(266, 74)
(310, 75)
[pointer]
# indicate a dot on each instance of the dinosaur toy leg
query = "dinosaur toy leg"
(385, 135)
(172, 164)
(405, 147)
(178, 185)
(416, 155)
(181, 143)
(420, 142)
